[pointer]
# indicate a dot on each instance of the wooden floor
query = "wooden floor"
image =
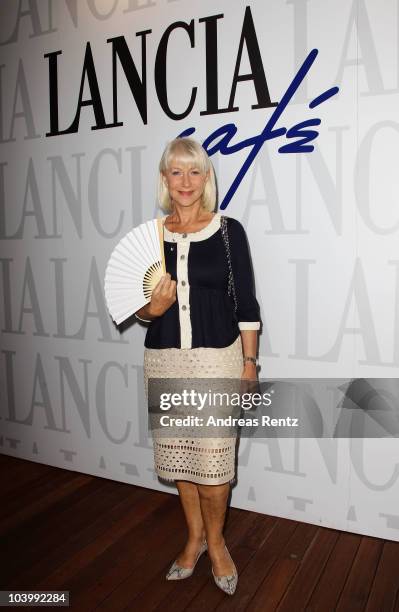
(110, 545)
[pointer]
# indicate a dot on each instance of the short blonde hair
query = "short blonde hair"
(186, 150)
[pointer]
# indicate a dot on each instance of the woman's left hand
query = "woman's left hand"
(249, 379)
(249, 372)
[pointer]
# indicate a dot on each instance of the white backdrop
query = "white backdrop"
(323, 225)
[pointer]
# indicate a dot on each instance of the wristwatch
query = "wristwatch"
(251, 359)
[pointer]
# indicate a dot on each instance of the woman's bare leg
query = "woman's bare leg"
(190, 502)
(213, 501)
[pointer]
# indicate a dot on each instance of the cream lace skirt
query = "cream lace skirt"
(200, 460)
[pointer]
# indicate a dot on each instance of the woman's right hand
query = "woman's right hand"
(163, 296)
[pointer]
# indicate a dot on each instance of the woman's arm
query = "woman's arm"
(162, 298)
(248, 311)
(145, 314)
(249, 339)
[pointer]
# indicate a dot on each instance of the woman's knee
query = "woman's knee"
(187, 488)
(213, 492)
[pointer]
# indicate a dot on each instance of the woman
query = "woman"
(204, 320)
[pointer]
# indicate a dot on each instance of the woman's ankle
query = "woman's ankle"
(216, 543)
(196, 538)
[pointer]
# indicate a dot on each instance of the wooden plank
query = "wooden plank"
(305, 579)
(385, 588)
(331, 582)
(272, 589)
(25, 496)
(67, 556)
(69, 514)
(35, 536)
(17, 475)
(358, 585)
(124, 556)
(63, 486)
(118, 535)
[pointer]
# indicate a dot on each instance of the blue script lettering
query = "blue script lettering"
(220, 139)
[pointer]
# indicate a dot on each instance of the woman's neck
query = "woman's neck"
(184, 217)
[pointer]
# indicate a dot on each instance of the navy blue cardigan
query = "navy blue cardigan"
(203, 314)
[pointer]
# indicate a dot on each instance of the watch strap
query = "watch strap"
(250, 359)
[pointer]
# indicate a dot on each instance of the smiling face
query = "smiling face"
(185, 182)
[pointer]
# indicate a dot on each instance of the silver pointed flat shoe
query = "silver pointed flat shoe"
(227, 584)
(177, 572)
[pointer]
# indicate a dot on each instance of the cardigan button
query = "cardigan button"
(182, 257)
(184, 307)
(184, 235)
(183, 283)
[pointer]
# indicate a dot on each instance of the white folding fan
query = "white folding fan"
(134, 268)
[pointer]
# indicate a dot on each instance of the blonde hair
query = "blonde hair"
(186, 150)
